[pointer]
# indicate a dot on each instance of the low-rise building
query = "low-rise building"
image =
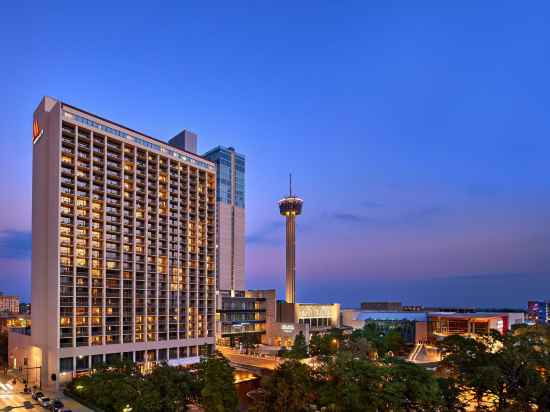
(307, 318)
(14, 321)
(382, 306)
(9, 303)
(413, 326)
(418, 327)
(538, 312)
(245, 314)
(442, 324)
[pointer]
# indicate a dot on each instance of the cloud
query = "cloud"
(408, 217)
(269, 234)
(371, 204)
(349, 218)
(15, 244)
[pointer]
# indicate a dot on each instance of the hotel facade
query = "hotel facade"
(124, 245)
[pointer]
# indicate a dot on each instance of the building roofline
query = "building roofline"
(134, 131)
(220, 147)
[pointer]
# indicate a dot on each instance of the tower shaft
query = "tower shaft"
(291, 258)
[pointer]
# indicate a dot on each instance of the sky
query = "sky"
(417, 133)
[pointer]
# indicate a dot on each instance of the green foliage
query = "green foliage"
(502, 372)
(249, 341)
(110, 387)
(299, 348)
(327, 344)
(393, 341)
(289, 389)
(113, 387)
(354, 384)
(450, 395)
(380, 340)
(345, 383)
(409, 387)
(218, 392)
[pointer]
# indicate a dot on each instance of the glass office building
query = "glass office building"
(230, 170)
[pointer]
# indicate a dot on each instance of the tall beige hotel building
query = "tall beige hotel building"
(124, 244)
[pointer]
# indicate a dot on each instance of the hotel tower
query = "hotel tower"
(230, 167)
(124, 244)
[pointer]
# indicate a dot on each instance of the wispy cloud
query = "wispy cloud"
(406, 217)
(269, 234)
(371, 204)
(350, 218)
(15, 244)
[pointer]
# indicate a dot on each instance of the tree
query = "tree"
(116, 386)
(111, 387)
(299, 347)
(409, 387)
(218, 392)
(289, 389)
(249, 341)
(175, 387)
(361, 347)
(351, 384)
(393, 341)
(470, 364)
(450, 395)
(507, 367)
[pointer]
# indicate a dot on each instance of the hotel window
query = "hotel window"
(82, 363)
(97, 360)
(66, 364)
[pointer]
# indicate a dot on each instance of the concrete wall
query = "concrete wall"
(349, 319)
(45, 242)
(283, 334)
(25, 357)
(231, 247)
(225, 252)
(239, 249)
(319, 310)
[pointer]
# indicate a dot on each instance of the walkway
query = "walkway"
(12, 397)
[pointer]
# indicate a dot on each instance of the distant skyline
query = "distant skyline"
(417, 134)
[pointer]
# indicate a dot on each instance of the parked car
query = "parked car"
(36, 395)
(57, 406)
(45, 401)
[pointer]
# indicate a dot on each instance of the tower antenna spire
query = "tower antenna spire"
(290, 181)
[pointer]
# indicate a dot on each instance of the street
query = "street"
(12, 397)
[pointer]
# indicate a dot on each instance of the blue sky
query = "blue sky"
(417, 133)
